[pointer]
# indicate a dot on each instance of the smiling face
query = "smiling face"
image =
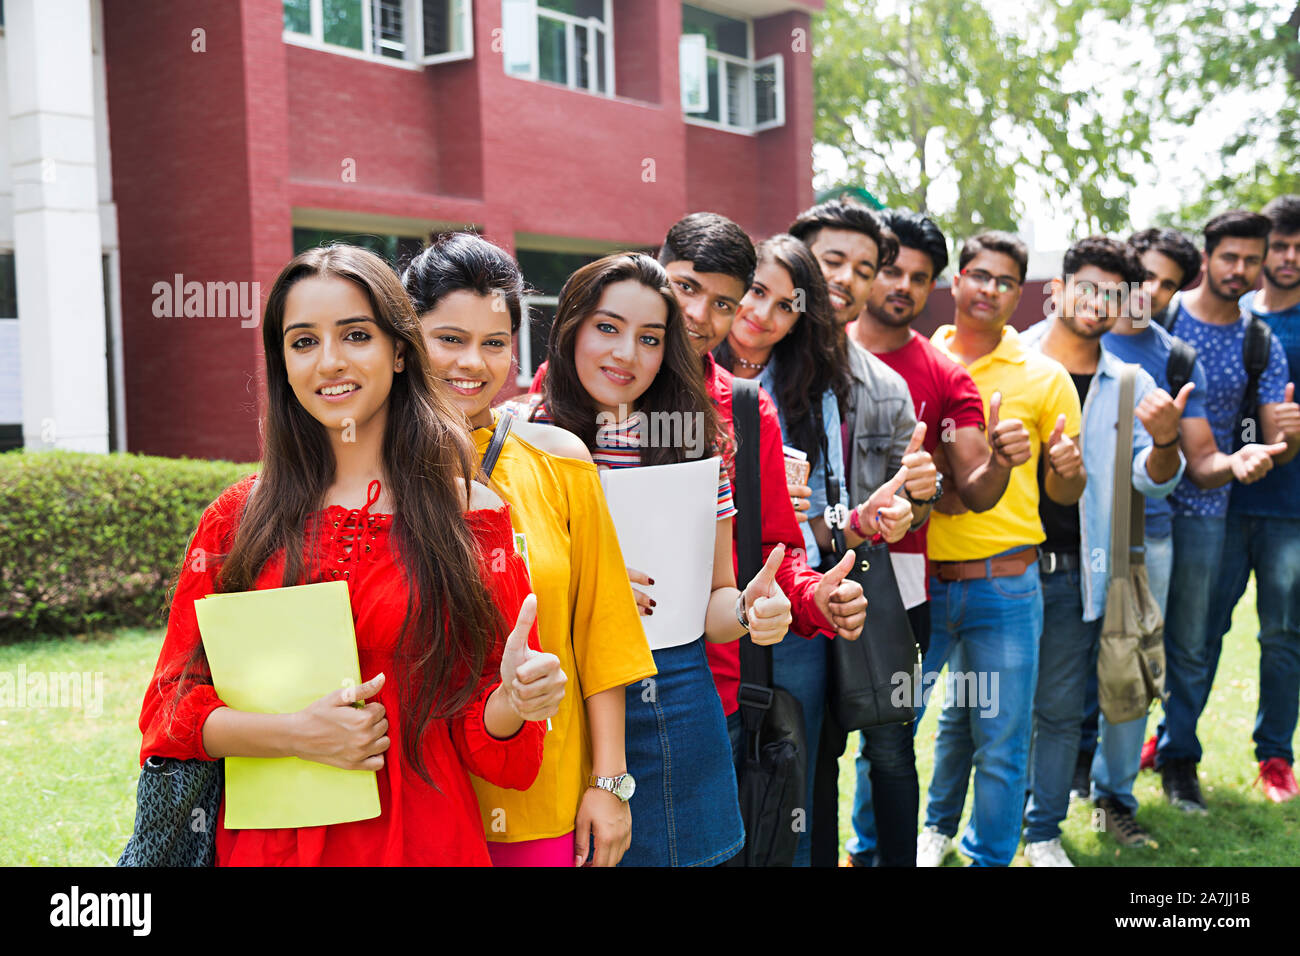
(987, 290)
(469, 343)
(767, 312)
(709, 301)
(339, 362)
(901, 289)
(1090, 301)
(619, 347)
(849, 260)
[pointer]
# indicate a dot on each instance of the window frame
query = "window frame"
(751, 126)
(413, 57)
(526, 302)
(605, 30)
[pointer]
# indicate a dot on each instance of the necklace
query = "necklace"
(756, 366)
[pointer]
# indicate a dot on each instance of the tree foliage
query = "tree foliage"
(935, 99)
(1213, 48)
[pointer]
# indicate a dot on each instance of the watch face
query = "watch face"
(626, 787)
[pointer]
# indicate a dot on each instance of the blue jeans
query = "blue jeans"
(1066, 653)
(1271, 547)
(799, 666)
(1198, 558)
(988, 628)
(686, 810)
(1115, 765)
(886, 775)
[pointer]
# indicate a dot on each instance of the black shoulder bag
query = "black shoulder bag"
(176, 804)
(772, 775)
(870, 680)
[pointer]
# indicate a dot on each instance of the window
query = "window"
(396, 250)
(407, 31)
(546, 272)
(569, 42)
(722, 84)
(11, 400)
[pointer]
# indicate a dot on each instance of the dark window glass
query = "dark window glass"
(723, 34)
(342, 23)
(397, 250)
(297, 16)
(8, 287)
(576, 8)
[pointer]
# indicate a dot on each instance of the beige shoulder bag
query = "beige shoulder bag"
(1131, 662)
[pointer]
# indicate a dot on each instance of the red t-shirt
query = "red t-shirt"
(945, 398)
(417, 824)
(797, 581)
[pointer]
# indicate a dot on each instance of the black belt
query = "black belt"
(1050, 562)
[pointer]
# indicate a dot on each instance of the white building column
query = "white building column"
(57, 245)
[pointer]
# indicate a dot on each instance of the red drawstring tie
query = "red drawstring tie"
(354, 535)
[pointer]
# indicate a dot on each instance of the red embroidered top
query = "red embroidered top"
(418, 824)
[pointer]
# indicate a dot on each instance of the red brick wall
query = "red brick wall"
(198, 164)
(213, 151)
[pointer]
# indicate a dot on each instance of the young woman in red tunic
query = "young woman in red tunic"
(367, 477)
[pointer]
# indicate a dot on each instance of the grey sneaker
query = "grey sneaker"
(1121, 824)
(932, 847)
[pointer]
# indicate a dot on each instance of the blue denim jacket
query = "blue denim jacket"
(835, 453)
(1097, 442)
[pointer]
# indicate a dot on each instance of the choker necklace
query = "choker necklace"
(756, 366)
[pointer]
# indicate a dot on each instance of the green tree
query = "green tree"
(935, 98)
(1212, 48)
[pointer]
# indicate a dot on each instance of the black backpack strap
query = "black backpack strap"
(1254, 355)
(755, 694)
(1179, 366)
(1167, 318)
(504, 423)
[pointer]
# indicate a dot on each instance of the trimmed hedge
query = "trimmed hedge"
(96, 541)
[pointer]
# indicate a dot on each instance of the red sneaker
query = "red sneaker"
(1279, 781)
(1148, 755)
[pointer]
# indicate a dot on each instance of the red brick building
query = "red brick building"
(243, 131)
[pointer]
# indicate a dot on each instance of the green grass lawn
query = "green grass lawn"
(67, 778)
(1244, 828)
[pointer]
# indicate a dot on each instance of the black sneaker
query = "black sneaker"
(1081, 786)
(1182, 788)
(1121, 825)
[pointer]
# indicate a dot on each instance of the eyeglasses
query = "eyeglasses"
(1003, 284)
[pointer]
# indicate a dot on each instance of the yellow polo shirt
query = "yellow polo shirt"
(1035, 389)
(586, 616)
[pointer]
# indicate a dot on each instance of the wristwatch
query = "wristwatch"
(742, 615)
(938, 492)
(622, 786)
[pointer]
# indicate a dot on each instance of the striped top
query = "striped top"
(618, 446)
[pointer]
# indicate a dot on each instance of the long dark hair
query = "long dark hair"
(808, 360)
(463, 261)
(679, 386)
(449, 628)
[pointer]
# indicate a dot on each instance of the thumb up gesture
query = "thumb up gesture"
(1063, 455)
(1008, 437)
(885, 512)
(532, 680)
(766, 606)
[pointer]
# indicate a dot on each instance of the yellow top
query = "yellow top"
(1035, 389)
(586, 616)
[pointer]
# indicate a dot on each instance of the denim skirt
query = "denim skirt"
(685, 811)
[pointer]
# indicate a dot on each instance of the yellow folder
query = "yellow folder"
(274, 652)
